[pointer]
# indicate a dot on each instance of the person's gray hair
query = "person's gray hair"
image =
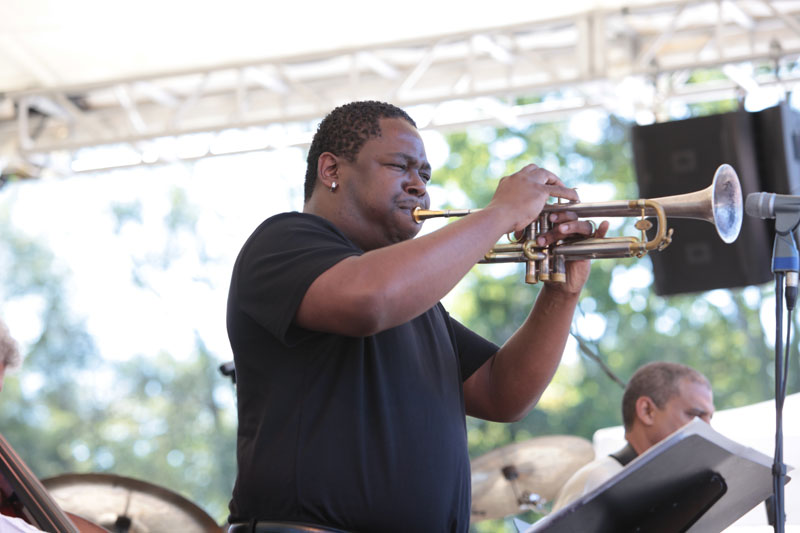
(9, 351)
(659, 381)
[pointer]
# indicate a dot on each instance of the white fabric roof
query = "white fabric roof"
(87, 73)
(45, 43)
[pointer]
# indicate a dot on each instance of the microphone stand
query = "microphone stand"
(785, 266)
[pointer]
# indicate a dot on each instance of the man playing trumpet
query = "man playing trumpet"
(353, 381)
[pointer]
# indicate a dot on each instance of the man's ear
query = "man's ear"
(645, 410)
(327, 169)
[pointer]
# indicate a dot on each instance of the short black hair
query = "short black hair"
(659, 381)
(345, 130)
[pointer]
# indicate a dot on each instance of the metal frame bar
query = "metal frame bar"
(588, 52)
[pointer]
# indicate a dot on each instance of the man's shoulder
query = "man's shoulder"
(290, 218)
(601, 467)
(284, 228)
(296, 221)
(294, 234)
(587, 478)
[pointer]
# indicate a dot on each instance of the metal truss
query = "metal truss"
(628, 61)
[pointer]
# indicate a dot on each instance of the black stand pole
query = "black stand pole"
(785, 265)
(778, 517)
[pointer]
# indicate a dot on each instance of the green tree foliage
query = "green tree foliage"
(171, 421)
(720, 333)
(55, 393)
(165, 421)
(172, 425)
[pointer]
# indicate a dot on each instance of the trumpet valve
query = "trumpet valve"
(542, 225)
(534, 257)
(544, 268)
(559, 273)
(531, 251)
(530, 273)
(544, 274)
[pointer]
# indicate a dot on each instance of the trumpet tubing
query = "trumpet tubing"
(720, 204)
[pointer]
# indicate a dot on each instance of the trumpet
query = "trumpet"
(720, 204)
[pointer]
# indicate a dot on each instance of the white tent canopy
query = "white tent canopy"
(88, 73)
(45, 43)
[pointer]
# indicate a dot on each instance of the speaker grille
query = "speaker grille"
(679, 157)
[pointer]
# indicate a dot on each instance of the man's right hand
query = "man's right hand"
(522, 195)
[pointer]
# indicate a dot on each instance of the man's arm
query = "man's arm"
(383, 288)
(508, 385)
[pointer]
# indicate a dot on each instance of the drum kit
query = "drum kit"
(506, 481)
(526, 475)
(94, 502)
(509, 480)
(126, 505)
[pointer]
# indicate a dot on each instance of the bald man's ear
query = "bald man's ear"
(645, 410)
(327, 169)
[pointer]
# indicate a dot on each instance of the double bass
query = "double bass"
(26, 498)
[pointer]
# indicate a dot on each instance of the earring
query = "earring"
(334, 186)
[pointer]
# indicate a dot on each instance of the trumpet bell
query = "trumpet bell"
(726, 199)
(720, 203)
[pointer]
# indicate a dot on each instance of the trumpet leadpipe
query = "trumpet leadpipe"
(420, 214)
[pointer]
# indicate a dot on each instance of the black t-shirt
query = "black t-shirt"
(366, 434)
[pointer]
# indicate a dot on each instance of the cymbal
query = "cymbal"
(524, 475)
(127, 505)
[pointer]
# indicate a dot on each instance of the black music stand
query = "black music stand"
(695, 480)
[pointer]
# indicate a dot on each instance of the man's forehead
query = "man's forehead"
(694, 384)
(399, 136)
(397, 125)
(697, 392)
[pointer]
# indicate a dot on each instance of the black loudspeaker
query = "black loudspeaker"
(778, 148)
(679, 157)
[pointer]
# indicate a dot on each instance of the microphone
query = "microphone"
(769, 204)
(785, 209)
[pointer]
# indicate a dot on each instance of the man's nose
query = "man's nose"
(416, 184)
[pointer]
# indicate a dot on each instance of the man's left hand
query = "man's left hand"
(566, 224)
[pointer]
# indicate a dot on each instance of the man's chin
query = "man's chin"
(406, 230)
